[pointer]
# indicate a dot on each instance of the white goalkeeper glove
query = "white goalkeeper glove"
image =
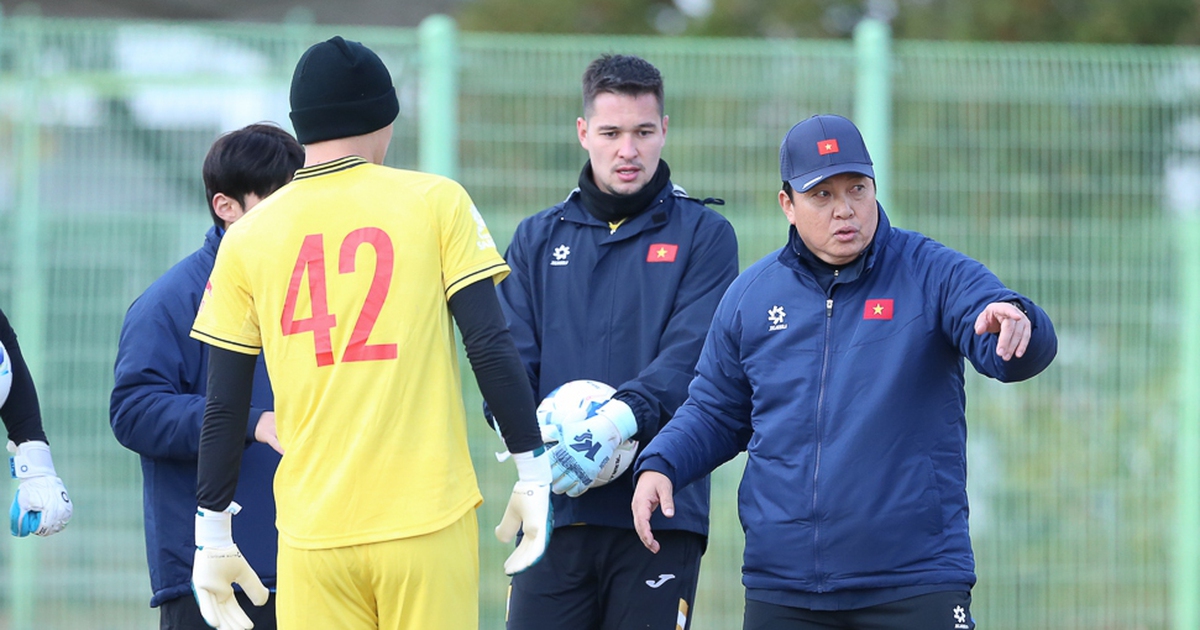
(41, 505)
(219, 564)
(528, 510)
(585, 447)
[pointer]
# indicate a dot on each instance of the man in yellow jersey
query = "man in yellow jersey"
(347, 280)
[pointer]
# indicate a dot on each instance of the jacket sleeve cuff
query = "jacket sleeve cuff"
(657, 464)
(643, 412)
(252, 423)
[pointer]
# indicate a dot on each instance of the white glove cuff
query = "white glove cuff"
(533, 466)
(621, 415)
(31, 459)
(215, 529)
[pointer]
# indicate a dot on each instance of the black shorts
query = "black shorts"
(602, 578)
(183, 613)
(950, 610)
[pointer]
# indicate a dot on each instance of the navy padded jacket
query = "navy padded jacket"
(853, 417)
(157, 409)
(629, 308)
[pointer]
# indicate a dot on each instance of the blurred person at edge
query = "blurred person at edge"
(41, 505)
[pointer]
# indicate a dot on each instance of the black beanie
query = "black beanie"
(341, 89)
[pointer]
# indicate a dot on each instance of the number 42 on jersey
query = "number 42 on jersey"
(321, 322)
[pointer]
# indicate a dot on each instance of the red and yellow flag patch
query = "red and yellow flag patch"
(825, 147)
(877, 309)
(662, 252)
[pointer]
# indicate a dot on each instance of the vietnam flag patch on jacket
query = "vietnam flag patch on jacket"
(661, 252)
(878, 309)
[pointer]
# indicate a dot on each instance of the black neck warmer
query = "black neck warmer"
(824, 271)
(612, 208)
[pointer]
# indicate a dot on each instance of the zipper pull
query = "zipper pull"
(829, 307)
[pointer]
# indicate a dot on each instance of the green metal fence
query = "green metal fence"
(1069, 170)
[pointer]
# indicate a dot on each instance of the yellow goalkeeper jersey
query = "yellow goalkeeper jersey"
(341, 278)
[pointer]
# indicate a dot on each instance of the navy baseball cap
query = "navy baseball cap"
(820, 147)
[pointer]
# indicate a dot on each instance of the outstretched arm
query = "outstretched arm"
(1005, 335)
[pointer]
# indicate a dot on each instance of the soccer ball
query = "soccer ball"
(572, 402)
(5, 374)
(575, 401)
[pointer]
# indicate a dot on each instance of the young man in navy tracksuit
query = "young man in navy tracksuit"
(618, 283)
(837, 364)
(157, 405)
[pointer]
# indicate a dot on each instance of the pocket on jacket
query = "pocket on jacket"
(875, 542)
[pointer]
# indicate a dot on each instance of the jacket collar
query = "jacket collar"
(656, 214)
(212, 238)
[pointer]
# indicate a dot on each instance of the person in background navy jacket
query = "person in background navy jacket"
(618, 284)
(158, 399)
(837, 364)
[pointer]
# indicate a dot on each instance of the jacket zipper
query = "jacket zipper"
(817, 465)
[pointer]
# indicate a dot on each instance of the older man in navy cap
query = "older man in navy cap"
(836, 363)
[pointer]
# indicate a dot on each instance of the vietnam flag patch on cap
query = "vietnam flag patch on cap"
(825, 147)
(878, 309)
(661, 252)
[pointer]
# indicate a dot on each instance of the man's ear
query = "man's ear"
(788, 206)
(581, 129)
(227, 208)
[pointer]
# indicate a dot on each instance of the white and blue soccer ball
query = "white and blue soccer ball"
(5, 374)
(575, 401)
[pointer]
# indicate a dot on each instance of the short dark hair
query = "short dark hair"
(621, 74)
(258, 158)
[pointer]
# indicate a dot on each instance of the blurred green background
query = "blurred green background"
(1067, 168)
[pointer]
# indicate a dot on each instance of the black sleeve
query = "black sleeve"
(496, 364)
(223, 436)
(21, 413)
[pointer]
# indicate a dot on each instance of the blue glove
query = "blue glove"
(584, 447)
(41, 505)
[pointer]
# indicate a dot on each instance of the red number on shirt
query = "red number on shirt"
(358, 350)
(322, 322)
(312, 260)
